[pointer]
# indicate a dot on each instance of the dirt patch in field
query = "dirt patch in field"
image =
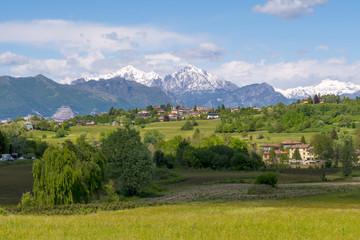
(248, 192)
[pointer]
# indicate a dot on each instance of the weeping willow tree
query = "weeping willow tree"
(71, 174)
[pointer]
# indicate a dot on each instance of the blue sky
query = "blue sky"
(286, 43)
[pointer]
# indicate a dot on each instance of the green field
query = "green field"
(172, 129)
(322, 217)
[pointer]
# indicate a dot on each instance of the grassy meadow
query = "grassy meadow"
(172, 129)
(312, 217)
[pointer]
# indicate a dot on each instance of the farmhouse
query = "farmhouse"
(278, 154)
(143, 114)
(305, 150)
(212, 116)
(289, 143)
(267, 147)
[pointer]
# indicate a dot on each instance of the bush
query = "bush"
(187, 126)
(3, 212)
(269, 178)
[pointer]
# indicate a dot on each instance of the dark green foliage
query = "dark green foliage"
(269, 178)
(4, 143)
(241, 161)
(130, 162)
(71, 174)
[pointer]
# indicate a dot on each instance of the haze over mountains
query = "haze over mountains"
(132, 88)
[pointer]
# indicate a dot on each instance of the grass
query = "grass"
(302, 218)
(172, 129)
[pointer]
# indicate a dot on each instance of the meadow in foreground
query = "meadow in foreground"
(316, 217)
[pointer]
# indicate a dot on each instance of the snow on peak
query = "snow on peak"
(326, 86)
(131, 74)
(191, 78)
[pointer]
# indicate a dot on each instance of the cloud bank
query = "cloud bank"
(288, 9)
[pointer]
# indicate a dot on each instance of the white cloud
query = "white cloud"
(88, 48)
(11, 59)
(289, 74)
(202, 52)
(340, 60)
(322, 47)
(288, 9)
(69, 35)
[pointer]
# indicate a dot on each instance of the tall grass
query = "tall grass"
(234, 220)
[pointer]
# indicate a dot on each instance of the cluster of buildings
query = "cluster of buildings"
(179, 113)
(286, 150)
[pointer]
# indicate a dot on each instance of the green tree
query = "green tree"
(323, 146)
(71, 174)
(333, 134)
(296, 155)
(345, 152)
(4, 143)
(129, 160)
(302, 140)
(153, 136)
(112, 111)
(272, 155)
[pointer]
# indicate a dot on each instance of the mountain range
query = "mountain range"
(132, 88)
(192, 86)
(326, 86)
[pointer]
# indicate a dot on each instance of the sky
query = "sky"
(285, 43)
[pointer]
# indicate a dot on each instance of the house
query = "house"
(183, 110)
(143, 114)
(174, 111)
(212, 116)
(306, 151)
(160, 112)
(173, 116)
(29, 126)
(267, 147)
(90, 123)
(289, 143)
(278, 154)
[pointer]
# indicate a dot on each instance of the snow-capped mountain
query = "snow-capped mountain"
(192, 79)
(326, 86)
(131, 74)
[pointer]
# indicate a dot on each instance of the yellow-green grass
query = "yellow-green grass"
(280, 219)
(169, 129)
(173, 128)
(92, 133)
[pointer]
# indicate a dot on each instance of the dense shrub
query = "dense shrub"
(269, 178)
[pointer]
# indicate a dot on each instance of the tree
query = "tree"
(153, 136)
(129, 160)
(112, 111)
(316, 99)
(71, 174)
(345, 152)
(333, 134)
(302, 140)
(323, 146)
(296, 155)
(272, 155)
(4, 143)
